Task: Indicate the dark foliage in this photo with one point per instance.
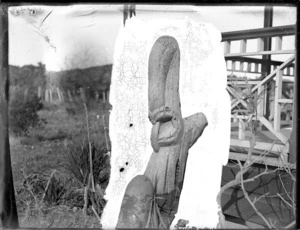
(23, 114)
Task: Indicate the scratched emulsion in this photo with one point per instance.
(202, 88)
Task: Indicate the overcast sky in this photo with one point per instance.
(84, 35)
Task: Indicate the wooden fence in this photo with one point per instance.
(56, 95)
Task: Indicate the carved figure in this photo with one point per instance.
(151, 200)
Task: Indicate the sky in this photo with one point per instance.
(80, 36)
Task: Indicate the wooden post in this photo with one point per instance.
(256, 67)
(96, 95)
(46, 95)
(243, 49)
(58, 94)
(70, 96)
(278, 43)
(50, 96)
(103, 96)
(62, 96)
(233, 65)
(125, 13)
(128, 12)
(39, 91)
(266, 66)
(227, 47)
(293, 138)
(8, 209)
(277, 106)
(261, 103)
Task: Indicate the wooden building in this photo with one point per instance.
(275, 118)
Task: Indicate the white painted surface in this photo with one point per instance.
(202, 89)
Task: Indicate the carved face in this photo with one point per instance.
(167, 128)
(136, 203)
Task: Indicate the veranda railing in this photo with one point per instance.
(244, 62)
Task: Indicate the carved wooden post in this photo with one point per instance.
(171, 138)
(8, 209)
(135, 151)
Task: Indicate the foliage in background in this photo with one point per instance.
(28, 77)
(23, 114)
(91, 80)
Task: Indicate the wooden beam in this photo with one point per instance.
(8, 209)
(241, 82)
(275, 52)
(283, 100)
(275, 149)
(270, 161)
(259, 33)
(255, 60)
(268, 125)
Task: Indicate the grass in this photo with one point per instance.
(42, 152)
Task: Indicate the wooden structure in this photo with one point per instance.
(273, 129)
(279, 69)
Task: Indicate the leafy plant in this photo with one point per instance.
(77, 162)
(23, 114)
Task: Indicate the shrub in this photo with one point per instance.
(76, 161)
(23, 114)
